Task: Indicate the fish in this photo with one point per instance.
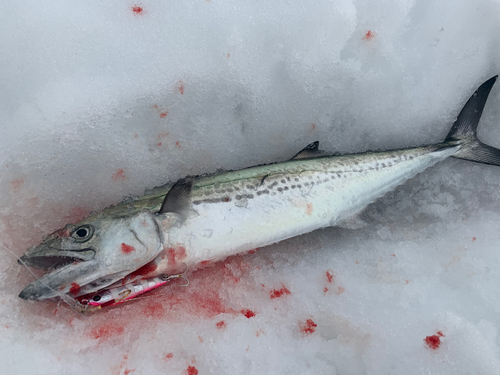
(203, 219)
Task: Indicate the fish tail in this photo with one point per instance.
(463, 131)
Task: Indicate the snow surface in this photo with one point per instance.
(100, 100)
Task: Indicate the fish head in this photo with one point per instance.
(85, 257)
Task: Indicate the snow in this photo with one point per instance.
(102, 100)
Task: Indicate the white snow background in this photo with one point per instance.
(101, 100)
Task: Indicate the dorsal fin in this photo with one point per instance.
(178, 198)
(310, 151)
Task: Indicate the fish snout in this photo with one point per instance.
(33, 293)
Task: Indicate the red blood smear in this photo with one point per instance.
(248, 313)
(175, 255)
(325, 289)
(433, 341)
(127, 248)
(221, 324)
(369, 35)
(178, 144)
(163, 114)
(329, 277)
(313, 126)
(137, 10)
(440, 333)
(145, 270)
(473, 239)
(277, 293)
(159, 144)
(127, 371)
(181, 87)
(15, 185)
(340, 290)
(106, 331)
(154, 310)
(168, 356)
(75, 289)
(191, 370)
(119, 175)
(308, 327)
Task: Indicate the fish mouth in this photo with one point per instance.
(51, 258)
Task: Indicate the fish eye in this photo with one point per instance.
(83, 233)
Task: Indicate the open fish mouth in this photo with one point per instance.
(54, 258)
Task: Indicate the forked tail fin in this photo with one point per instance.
(463, 131)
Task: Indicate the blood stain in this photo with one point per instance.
(191, 370)
(325, 289)
(248, 313)
(393, 255)
(228, 55)
(329, 277)
(119, 175)
(154, 310)
(163, 135)
(181, 87)
(107, 331)
(159, 144)
(308, 327)
(473, 239)
(163, 114)
(168, 356)
(407, 282)
(15, 185)
(137, 10)
(128, 371)
(145, 270)
(175, 254)
(221, 325)
(369, 35)
(253, 251)
(178, 144)
(127, 248)
(136, 135)
(278, 293)
(434, 341)
(75, 289)
(340, 290)
(313, 126)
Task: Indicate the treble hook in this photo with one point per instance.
(180, 275)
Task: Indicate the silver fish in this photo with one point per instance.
(208, 218)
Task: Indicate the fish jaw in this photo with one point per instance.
(120, 246)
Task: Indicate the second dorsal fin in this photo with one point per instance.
(178, 199)
(310, 151)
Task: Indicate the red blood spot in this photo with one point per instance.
(226, 199)
(119, 175)
(340, 290)
(228, 55)
(15, 185)
(137, 10)
(181, 87)
(393, 255)
(248, 313)
(200, 339)
(407, 282)
(440, 333)
(253, 251)
(325, 289)
(136, 135)
(163, 114)
(369, 35)
(221, 324)
(191, 370)
(308, 327)
(356, 261)
(329, 277)
(168, 356)
(206, 263)
(473, 239)
(313, 126)
(178, 144)
(309, 209)
(159, 144)
(278, 293)
(433, 341)
(75, 289)
(127, 371)
(106, 331)
(127, 248)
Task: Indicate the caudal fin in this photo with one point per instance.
(463, 131)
